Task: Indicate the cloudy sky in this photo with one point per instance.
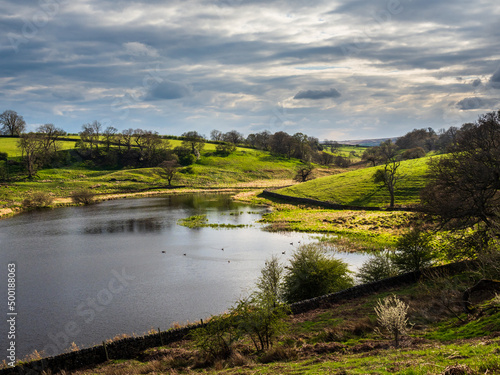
(332, 69)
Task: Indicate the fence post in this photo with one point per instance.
(161, 338)
(105, 350)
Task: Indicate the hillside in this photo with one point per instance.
(357, 187)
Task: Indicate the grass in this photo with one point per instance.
(362, 230)
(9, 145)
(357, 188)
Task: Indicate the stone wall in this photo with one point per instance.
(333, 206)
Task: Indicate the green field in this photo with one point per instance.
(357, 187)
(9, 145)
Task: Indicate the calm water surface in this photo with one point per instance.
(85, 274)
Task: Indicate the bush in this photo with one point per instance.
(312, 273)
(392, 316)
(83, 196)
(216, 339)
(38, 200)
(378, 267)
(261, 320)
(414, 251)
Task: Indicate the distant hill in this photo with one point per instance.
(364, 142)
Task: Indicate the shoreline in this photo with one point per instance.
(58, 202)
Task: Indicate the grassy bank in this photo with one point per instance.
(357, 188)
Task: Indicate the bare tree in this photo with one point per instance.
(233, 137)
(90, 135)
(32, 148)
(109, 136)
(463, 188)
(216, 135)
(167, 170)
(12, 123)
(127, 136)
(389, 177)
(304, 172)
(50, 134)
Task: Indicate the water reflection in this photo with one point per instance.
(142, 225)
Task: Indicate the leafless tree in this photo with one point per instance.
(12, 123)
(167, 170)
(388, 177)
(32, 148)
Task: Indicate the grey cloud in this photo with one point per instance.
(475, 103)
(317, 94)
(495, 79)
(166, 90)
(477, 82)
(68, 95)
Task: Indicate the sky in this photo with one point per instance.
(337, 70)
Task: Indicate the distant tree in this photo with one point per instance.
(90, 136)
(463, 188)
(109, 135)
(168, 169)
(225, 148)
(387, 151)
(389, 177)
(12, 123)
(282, 143)
(446, 138)
(413, 153)
(371, 155)
(51, 134)
(184, 155)
(216, 135)
(324, 158)
(341, 161)
(424, 138)
(194, 141)
(151, 146)
(304, 172)
(127, 137)
(302, 148)
(32, 148)
(335, 146)
(233, 137)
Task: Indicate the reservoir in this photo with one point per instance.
(87, 274)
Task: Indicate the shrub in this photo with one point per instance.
(270, 282)
(83, 196)
(312, 273)
(414, 251)
(378, 267)
(216, 339)
(392, 316)
(261, 319)
(38, 200)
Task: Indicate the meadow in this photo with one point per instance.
(357, 188)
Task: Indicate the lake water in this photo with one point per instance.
(86, 274)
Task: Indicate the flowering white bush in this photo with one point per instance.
(392, 316)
